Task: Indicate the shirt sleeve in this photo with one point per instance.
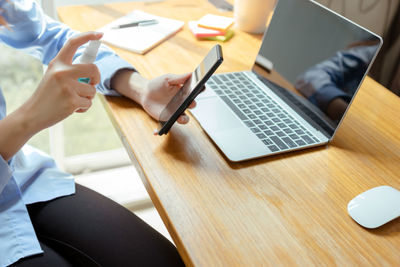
(42, 37)
(5, 173)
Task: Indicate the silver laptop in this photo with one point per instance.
(304, 78)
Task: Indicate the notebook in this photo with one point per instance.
(140, 39)
(309, 67)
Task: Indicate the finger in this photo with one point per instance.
(183, 119)
(175, 79)
(193, 104)
(68, 51)
(85, 71)
(83, 104)
(85, 90)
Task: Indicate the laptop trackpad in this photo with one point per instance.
(214, 115)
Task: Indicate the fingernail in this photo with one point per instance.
(155, 132)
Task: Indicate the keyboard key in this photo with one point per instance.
(247, 102)
(242, 106)
(274, 128)
(269, 123)
(267, 141)
(293, 126)
(268, 132)
(289, 142)
(265, 109)
(300, 142)
(252, 116)
(282, 115)
(280, 133)
(307, 139)
(288, 131)
(247, 111)
(279, 142)
(258, 112)
(294, 136)
(263, 127)
(281, 125)
(216, 79)
(299, 132)
(255, 100)
(260, 104)
(270, 114)
(258, 122)
(273, 148)
(271, 105)
(231, 75)
(237, 101)
(252, 107)
(261, 135)
(249, 123)
(263, 117)
(255, 130)
(276, 120)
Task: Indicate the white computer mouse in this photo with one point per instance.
(375, 207)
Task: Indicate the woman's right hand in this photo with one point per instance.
(59, 94)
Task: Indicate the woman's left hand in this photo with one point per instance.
(159, 92)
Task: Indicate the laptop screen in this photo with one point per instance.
(315, 59)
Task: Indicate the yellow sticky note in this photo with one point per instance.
(222, 38)
(215, 22)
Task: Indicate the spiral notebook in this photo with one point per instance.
(140, 39)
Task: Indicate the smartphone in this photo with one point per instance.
(191, 88)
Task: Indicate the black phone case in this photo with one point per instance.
(166, 126)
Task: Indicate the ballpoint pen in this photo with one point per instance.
(136, 23)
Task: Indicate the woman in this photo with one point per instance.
(44, 219)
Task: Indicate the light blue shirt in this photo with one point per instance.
(31, 175)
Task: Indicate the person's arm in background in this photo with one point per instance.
(325, 84)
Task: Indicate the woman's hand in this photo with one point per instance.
(160, 91)
(153, 95)
(59, 94)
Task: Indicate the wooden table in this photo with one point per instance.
(289, 209)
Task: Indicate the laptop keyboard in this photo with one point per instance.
(274, 126)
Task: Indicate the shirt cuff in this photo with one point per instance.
(5, 173)
(326, 94)
(108, 67)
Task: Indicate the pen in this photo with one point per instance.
(136, 23)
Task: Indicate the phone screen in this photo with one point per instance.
(190, 89)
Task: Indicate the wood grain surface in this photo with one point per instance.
(289, 209)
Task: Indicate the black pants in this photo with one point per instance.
(88, 229)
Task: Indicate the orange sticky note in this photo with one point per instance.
(200, 32)
(215, 22)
